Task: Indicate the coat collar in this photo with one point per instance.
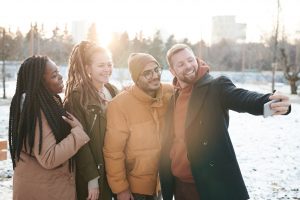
(145, 98)
(206, 79)
(199, 93)
(93, 102)
(197, 99)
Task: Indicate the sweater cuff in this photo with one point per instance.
(80, 134)
(93, 183)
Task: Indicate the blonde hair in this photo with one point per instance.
(175, 49)
(78, 78)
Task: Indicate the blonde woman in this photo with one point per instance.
(87, 93)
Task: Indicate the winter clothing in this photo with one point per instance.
(180, 164)
(210, 152)
(47, 175)
(185, 191)
(89, 159)
(137, 62)
(132, 142)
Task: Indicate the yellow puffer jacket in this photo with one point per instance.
(132, 142)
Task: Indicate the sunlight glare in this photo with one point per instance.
(104, 39)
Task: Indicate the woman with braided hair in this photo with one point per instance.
(87, 94)
(43, 137)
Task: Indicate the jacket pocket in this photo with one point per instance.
(144, 136)
(144, 165)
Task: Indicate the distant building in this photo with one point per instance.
(225, 27)
(79, 30)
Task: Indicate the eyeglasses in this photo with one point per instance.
(148, 74)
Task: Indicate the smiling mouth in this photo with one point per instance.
(154, 81)
(190, 72)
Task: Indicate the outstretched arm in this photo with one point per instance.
(241, 100)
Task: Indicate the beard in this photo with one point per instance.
(155, 83)
(188, 76)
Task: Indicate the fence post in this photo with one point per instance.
(3, 149)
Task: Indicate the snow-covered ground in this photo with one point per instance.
(268, 149)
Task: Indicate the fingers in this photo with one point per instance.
(280, 110)
(280, 113)
(93, 194)
(280, 107)
(125, 195)
(71, 120)
(75, 120)
(278, 96)
(280, 104)
(70, 116)
(67, 120)
(131, 197)
(90, 196)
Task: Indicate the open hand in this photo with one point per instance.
(125, 195)
(71, 120)
(93, 194)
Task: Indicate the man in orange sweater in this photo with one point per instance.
(134, 120)
(197, 158)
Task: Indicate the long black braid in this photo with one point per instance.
(26, 112)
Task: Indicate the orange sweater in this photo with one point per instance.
(180, 163)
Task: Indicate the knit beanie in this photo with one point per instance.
(137, 62)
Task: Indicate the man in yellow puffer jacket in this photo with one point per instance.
(134, 119)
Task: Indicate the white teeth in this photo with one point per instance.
(190, 72)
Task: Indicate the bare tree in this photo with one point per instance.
(4, 48)
(291, 72)
(92, 34)
(274, 64)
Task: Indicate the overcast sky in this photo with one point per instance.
(183, 18)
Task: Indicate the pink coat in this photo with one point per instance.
(46, 175)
